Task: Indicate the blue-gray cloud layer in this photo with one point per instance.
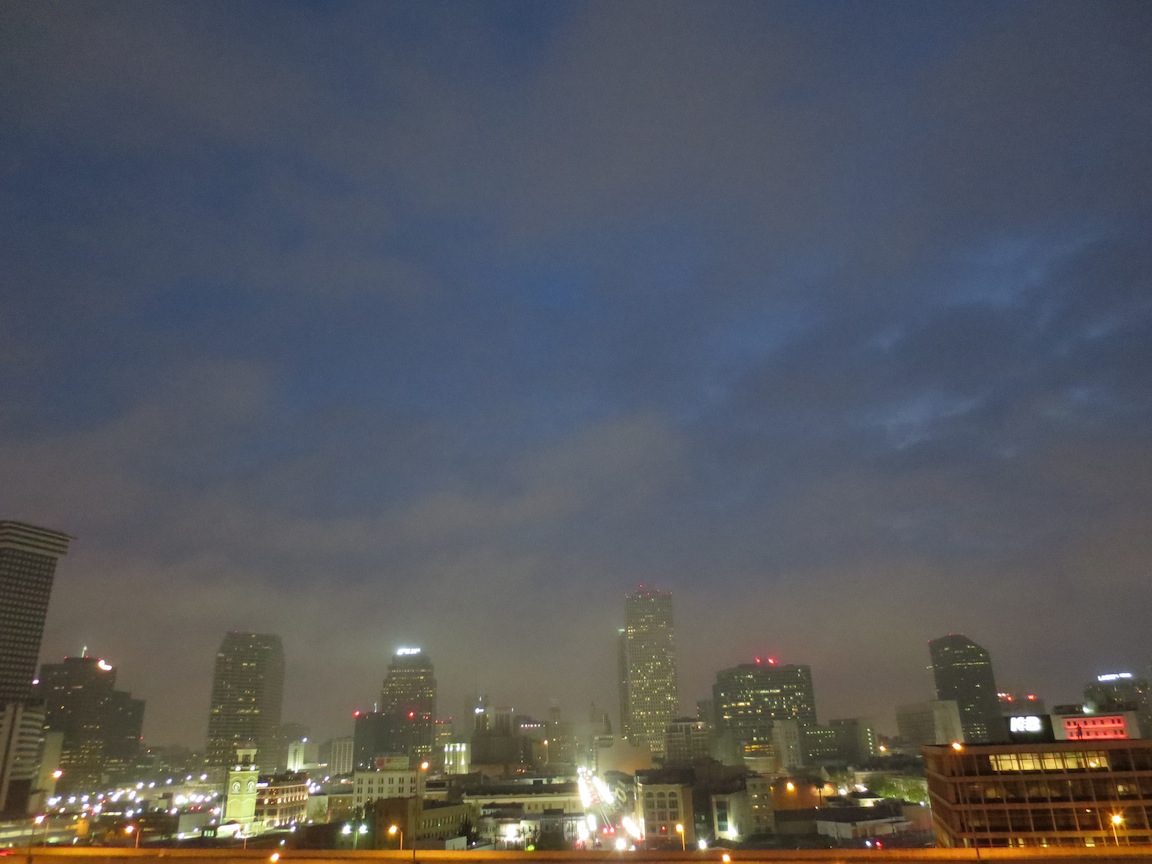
(451, 323)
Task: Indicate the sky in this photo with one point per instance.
(449, 324)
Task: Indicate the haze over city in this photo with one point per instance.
(449, 324)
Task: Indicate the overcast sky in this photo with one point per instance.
(449, 324)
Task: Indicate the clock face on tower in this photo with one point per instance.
(251, 785)
(236, 786)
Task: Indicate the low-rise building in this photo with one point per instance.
(663, 804)
(410, 823)
(282, 799)
(372, 785)
(1062, 793)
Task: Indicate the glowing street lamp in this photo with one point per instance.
(132, 829)
(683, 842)
(1117, 821)
(393, 831)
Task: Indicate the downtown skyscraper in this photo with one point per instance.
(100, 725)
(749, 699)
(963, 673)
(649, 695)
(28, 557)
(247, 699)
(408, 700)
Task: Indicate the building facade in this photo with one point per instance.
(963, 673)
(664, 808)
(649, 692)
(369, 786)
(28, 557)
(1121, 691)
(749, 699)
(408, 705)
(247, 699)
(1063, 793)
(100, 725)
(934, 722)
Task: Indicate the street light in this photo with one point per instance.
(683, 842)
(130, 830)
(393, 830)
(1117, 821)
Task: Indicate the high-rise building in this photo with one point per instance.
(649, 696)
(247, 698)
(100, 725)
(28, 556)
(963, 673)
(408, 701)
(749, 699)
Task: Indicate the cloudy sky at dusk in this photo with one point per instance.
(451, 323)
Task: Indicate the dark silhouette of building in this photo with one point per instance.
(100, 725)
(649, 694)
(247, 698)
(963, 673)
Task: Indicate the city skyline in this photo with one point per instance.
(326, 721)
(448, 324)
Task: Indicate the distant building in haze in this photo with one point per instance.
(649, 694)
(963, 673)
(749, 699)
(100, 726)
(933, 722)
(247, 698)
(28, 556)
(340, 752)
(687, 741)
(855, 739)
(408, 702)
(1121, 691)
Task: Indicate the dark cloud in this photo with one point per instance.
(451, 324)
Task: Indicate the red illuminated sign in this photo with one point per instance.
(1096, 726)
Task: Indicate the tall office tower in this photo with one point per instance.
(408, 702)
(749, 699)
(963, 673)
(649, 696)
(28, 558)
(247, 698)
(100, 725)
